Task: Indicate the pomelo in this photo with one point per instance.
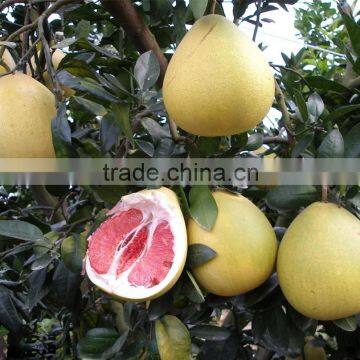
(139, 252)
(26, 110)
(318, 263)
(244, 241)
(218, 81)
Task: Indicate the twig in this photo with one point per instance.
(275, 140)
(174, 132)
(258, 13)
(324, 193)
(213, 7)
(23, 59)
(280, 99)
(52, 75)
(25, 40)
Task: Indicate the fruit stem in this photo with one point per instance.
(324, 193)
(213, 7)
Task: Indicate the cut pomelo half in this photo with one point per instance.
(139, 252)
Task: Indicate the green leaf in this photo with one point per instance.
(302, 145)
(155, 130)
(147, 70)
(352, 142)
(342, 111)
(109, 132)
(65, 286)
(96, 342)
(21, 230)
(61, 133)
(9, 317)
(146, 147)
(173, 338)
(315, 106)
(86, 85)
(116, 347)
(332, 146)
(198, 7)
(203, 208)
(121, 114)
(291, 197)
(320, 82)
(353, 29)
(36, 282)
(73, 250)
(301, 104)
(347, 324)
(210, 332)
(199, 254)
(83, 29)
(91, 106)
(193, 292)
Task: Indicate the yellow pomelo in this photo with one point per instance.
(8, 60)
(218, 82)
(318, 263)
(245, 244)
(27, 108)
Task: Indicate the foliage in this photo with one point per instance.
(48, 308)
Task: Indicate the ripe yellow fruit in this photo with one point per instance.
(218, 82)
(27, 108)
(245, 244)
(318, 263)
(8, 60)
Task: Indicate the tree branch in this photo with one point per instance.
(133, 24)
(213, 7)
(130, 20)
(280, 99)
(275, 140)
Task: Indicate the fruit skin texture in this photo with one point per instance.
(318, 263)
(218, 82)
(8, 60)
(245, 243)
(170, 203)
(27, 108)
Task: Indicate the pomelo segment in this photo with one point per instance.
(139, 252)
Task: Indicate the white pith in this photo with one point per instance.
(159, 206)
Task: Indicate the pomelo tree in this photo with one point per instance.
(106, 73)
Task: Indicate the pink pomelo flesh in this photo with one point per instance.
(142, 247)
